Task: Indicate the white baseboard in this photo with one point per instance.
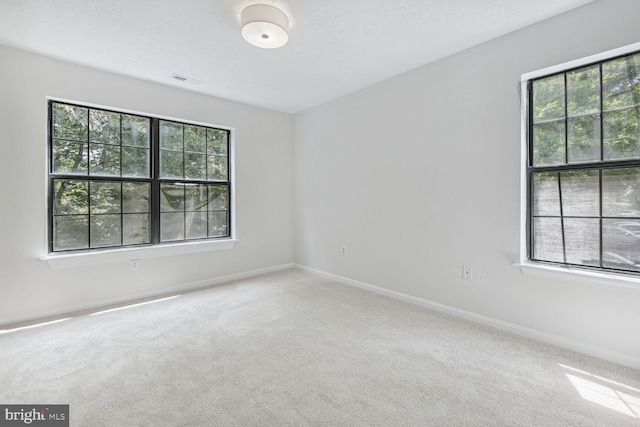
(580, 347)
(192, 286)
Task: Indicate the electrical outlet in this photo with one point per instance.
(343, 250)
(134, 264)
(467, 272)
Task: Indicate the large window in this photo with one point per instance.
(118, 179)
(583, 170)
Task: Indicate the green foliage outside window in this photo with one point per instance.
(102, 179)
(585, 166)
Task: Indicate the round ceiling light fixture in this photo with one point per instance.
(265, 26)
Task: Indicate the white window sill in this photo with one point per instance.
(619, 282)
(76, 259)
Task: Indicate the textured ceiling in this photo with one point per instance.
(335, 46)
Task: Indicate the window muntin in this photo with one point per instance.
(94, 214)
(99, 143)
(193, 152)
(193, 211)
(105, 191)
(584, 166)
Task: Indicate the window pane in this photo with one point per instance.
(171, 198)
(135, 197)
(621, 244)
(105, 197)
(620, 129)
(584, 139)
(196, 198)
(218, 224)
(196, 225)
(580, 193)
(217, 142)
(546, 194)
(171, 135)
(195, 139)
(547, 239)
(621, 82)
(104, 160)
(104, 126)
(195, 166)
(171, 226)
(217, 168)
(70, 232)
(70, 157)
(70, 197)
(613, 260)
(548, 98)
(105, 230)
(582, 240)
(70, 122)
(218, 197)
(171, 164)
(135, 131)
(583, 91)
(548, 143)
(135, 162)
(135, 229)
(621, 192)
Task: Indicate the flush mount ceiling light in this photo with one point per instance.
(265, 26)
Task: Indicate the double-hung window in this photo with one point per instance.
(583, 166)
(118, 179)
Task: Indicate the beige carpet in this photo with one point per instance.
(294, 349)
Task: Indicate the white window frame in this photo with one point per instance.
(61, 260)
(606, 279)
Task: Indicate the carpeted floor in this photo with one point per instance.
(293, 349)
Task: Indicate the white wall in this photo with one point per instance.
(264, 188)
(420, 174)
(417, 175)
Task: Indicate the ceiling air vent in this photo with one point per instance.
(185, 79)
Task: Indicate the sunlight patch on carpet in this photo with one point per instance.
(37, 325)
(605, 392)
(133, 305)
